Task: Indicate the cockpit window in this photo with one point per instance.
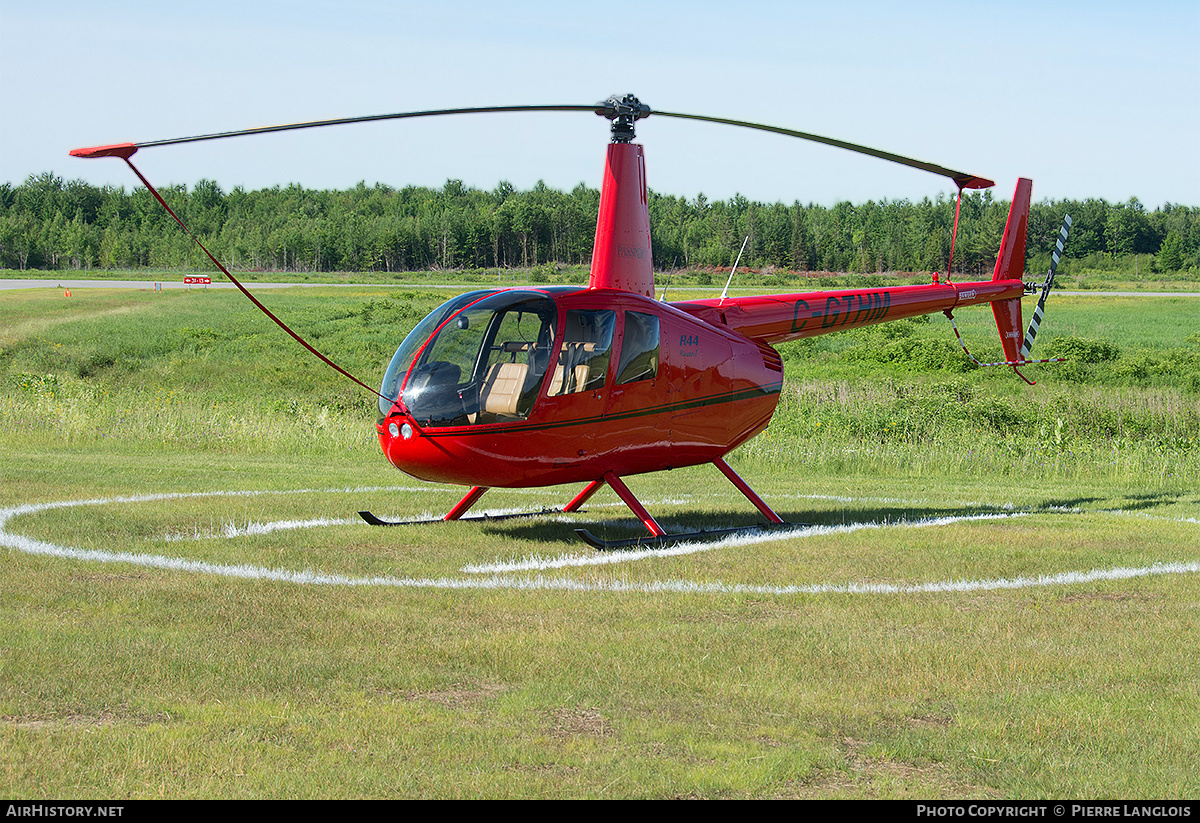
(586, 350)
(639, 348)
(482, 363)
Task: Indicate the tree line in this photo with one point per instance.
(49, 224)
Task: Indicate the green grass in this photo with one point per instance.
(688, 675)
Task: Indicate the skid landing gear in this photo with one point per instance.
(457, 513)
(658, 535)
(372, 520)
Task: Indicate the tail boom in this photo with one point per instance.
(777, 318)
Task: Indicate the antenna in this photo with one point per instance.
(663, 299)
(725, 293)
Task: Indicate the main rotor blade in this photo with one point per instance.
(608, 108)
(367, 119)
(961, 179)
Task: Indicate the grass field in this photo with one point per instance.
(999, 599)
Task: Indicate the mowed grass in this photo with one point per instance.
(227, 645)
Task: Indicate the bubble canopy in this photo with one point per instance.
(477, 358)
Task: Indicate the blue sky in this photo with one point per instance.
(1089, 99)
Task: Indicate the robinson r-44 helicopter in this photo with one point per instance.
(534, 387)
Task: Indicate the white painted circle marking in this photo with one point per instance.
(504, 575)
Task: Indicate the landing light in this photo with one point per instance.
(405, 430)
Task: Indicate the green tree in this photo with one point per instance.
(1128, 231)
(1170, 253)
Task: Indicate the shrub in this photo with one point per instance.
(1083, 349)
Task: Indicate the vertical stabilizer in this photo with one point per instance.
(1010, 265)
(621, 256)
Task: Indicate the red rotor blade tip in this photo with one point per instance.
(975, 183)
(124, 150)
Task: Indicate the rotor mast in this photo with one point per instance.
(621, 256)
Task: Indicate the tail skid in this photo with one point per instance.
(1013, 363)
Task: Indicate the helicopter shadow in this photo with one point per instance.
(558, 528)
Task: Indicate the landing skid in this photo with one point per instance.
(658, 535)
(658, 541)
(372, 520)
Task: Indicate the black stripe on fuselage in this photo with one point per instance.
(649, 411)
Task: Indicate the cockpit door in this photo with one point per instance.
(575, 389)
(635, 404)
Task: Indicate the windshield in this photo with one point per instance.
(416, 338)
(477, 359)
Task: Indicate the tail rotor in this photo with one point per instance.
(1040, 311)
(1010, 268)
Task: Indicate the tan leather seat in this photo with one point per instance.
(501, 392)
(578, 381)
(569, 363)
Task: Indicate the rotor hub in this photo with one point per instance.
(623, 112)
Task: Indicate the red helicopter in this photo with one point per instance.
(532, 387)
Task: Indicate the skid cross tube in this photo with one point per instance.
(467, 502)
(652, 525)
(634, 504)
(745, 489)
(584, 496)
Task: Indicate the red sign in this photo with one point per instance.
(198, 281)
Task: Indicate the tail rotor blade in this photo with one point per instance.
(1040, 311)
